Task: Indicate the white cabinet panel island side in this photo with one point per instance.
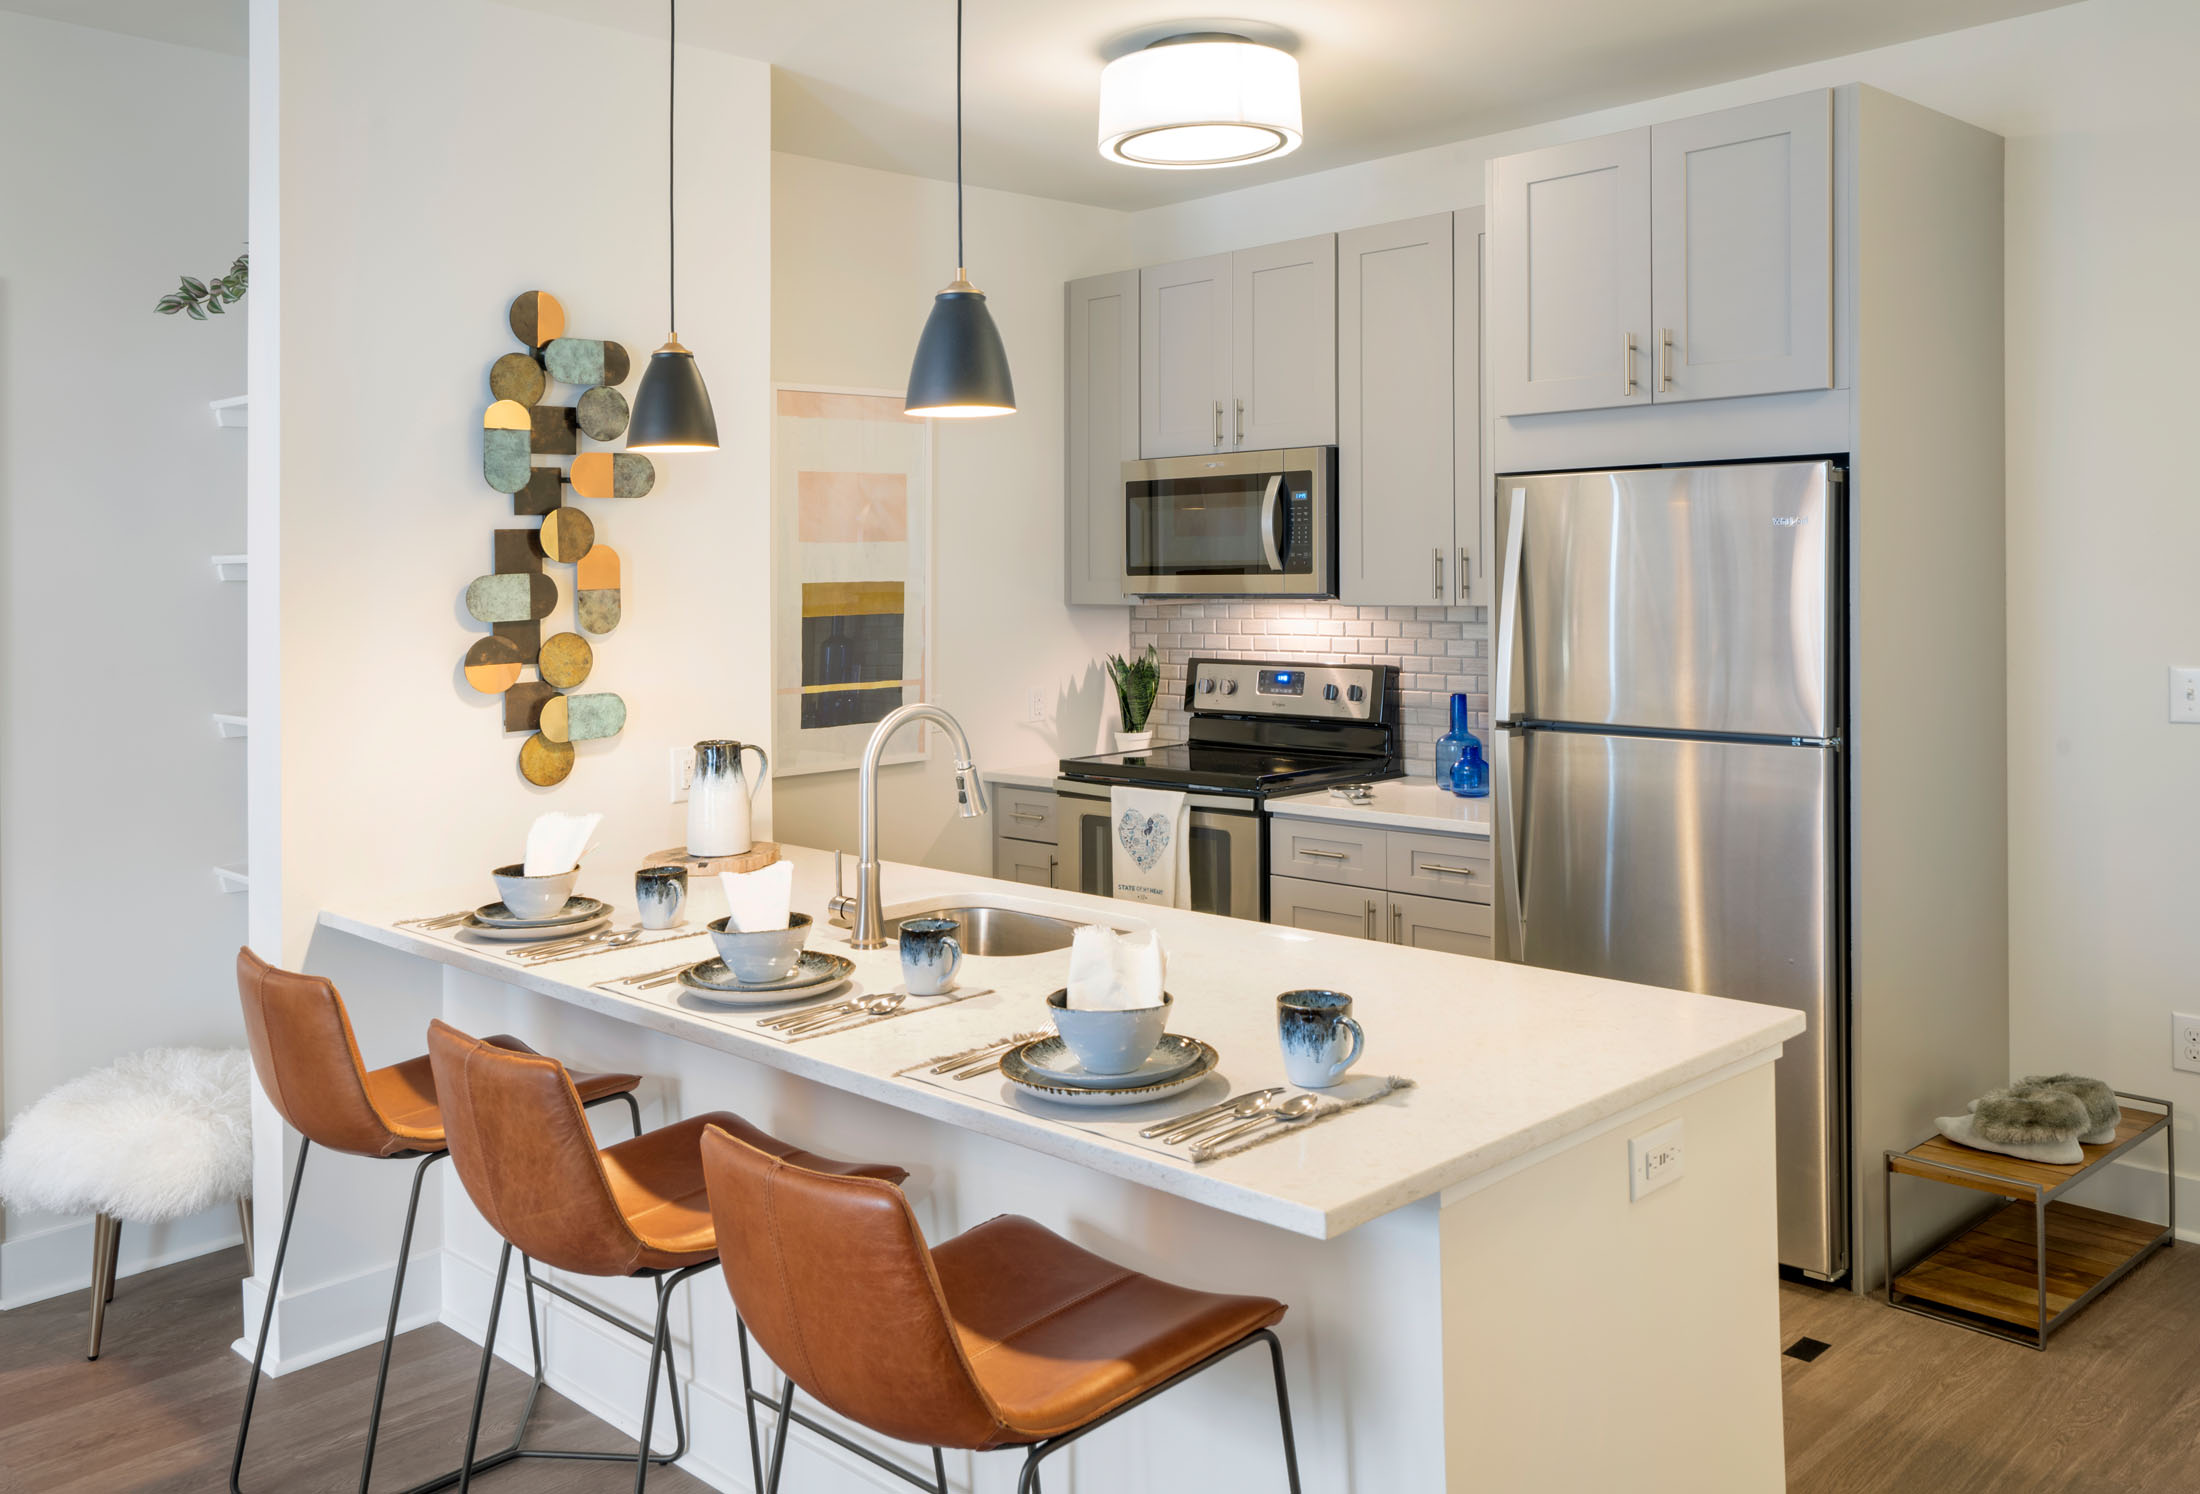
(1475, 1302)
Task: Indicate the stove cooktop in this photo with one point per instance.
(1227, 770)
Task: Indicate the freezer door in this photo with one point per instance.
(1708, 866)
(1693, 599)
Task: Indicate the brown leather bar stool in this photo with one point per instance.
(1007, 1335)
(638, 1208)
(309, 1064)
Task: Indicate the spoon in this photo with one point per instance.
(1252, 1105)
(811, 1014)
(1297, 1108)
(876, 1006)
(595, 945)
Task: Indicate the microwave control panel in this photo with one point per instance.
(1298, 529)
(1333, 692)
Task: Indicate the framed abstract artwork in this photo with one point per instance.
(851, 574)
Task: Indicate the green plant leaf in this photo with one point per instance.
(195, 286)
(196, 314)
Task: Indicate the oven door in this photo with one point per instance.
(1227, 844)
(1243, 523)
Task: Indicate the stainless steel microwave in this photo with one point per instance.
(1239, 523)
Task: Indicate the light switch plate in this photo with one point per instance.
(1035, 705)
(1656, 1158)
(683, 773)
(2184, 695)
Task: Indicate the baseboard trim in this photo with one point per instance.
(55, 1261)
(322, 1321)
(2134, 1189)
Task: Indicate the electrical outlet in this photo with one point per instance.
(2184, 695)
(683, 773)
(2184, 1041)
(1655, 1159)
(1035, 705)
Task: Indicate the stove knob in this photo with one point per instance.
(1206, 687)
(1229, 687)
(1354, 692)
(1329, 692)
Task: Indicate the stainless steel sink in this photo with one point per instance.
(997, 931)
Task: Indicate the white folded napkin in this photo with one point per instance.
(557, 841)
(758, 900)
(1115, 972)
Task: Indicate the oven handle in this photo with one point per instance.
(1268, 522)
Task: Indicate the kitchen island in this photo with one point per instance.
(1430, 1245)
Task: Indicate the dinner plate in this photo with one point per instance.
(576, 910)
(1020, 1074)
(537, 935)
(1053, 1062)
(818, 973)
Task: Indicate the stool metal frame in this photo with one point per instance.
(389, 1331)
(1028, 1480)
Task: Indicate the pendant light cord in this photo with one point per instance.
(959, 267)
(672, 135)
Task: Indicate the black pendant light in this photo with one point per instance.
(961, 368)
(672, 408)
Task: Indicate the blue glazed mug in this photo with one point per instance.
(659, 894)
(1320, 1040)
(930, 955)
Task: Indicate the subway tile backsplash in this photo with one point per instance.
(1438, 650)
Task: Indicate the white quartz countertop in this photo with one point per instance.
(1022, 775)
(1396, 803)
(1507, 1059)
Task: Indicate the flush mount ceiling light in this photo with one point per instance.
(1198, 101)
(960, 369)
(672, 408)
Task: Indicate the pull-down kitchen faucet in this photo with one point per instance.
(864, 913)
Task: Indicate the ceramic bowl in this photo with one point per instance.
(765, 954)
(1110, 1042)
(534, 897)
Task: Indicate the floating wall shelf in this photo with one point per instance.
(230, 412)
(232, 726)
(232, 879)
(230, 567)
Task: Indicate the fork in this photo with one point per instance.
(593, 944)
(435, 920)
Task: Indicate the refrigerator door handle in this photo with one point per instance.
(1508, 816)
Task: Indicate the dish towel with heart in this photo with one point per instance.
(1152, 845)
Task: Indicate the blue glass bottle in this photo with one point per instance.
(1470, 776)
(1452, 743)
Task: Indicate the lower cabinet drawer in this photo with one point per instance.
(1445, 866)
(1437, 923)
(1326, 852)
(1023, 861)
(1294, 903)
(1024, 814)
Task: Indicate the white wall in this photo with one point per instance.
(415, 165)
(124, 168)
(2103, 307)
(857, 256)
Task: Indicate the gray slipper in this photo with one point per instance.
(2039, 1123)
(2102, 1109)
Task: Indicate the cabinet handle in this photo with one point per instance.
(1026, 814)
(1241, 422)
(1466, 585)
(1665, 359)
(1627, 364)
(1438, 866)
(1218, 420)
(1371, 918)
(1397, 924)
(1324, 855)
(1436, 573)
(1052, 862)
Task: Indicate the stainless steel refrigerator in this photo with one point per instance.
(1668, 699)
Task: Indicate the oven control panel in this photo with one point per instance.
(1249, 687)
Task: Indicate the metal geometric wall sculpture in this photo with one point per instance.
(516, 596)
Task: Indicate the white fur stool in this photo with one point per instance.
(150, 1138)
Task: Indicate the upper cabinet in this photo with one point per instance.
(1691, 260)
(1239, 351)
(1101, 431)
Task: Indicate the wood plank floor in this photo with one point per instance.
(158, 1411)
(1897, 1404)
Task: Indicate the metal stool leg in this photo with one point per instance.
(1283, 1410)
(244, 1227)
(748, 1403)
(267, 1313)
(779, 1438)
(389, 1328)
(481, 1380)
(106, 1235)
(660, 1350)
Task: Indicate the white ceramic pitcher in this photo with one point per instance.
(718, 800)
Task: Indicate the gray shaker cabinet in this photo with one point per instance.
(1283, 345)
(1100, 432)
(1570, 276)
(1184, 356)
(1741, 250)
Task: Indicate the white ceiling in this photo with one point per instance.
(871, 82)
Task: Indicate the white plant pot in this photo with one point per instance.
(1133, 741)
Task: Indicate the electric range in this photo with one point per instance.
(1259, 728)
